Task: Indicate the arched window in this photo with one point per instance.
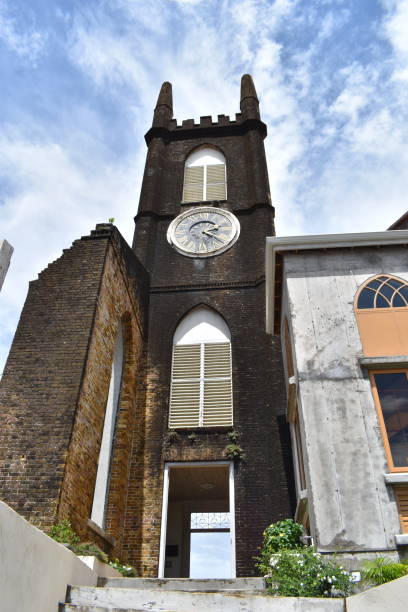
(381, 308)
(201, 385)
(383, 292)
(205, 176)
(105, 453)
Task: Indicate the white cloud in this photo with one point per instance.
(357, 93)
(54, 199)
(335, 107)
(27, 42)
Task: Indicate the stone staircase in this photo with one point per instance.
(185, 595)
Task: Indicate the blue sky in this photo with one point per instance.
(80, 80)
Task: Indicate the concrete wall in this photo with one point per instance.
(35, 570)
(384, 598)
(6, 251)
(351, 507)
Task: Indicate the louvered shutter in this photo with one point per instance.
(217, 401)
(185, 386)
(401, 494)
(193, 184)
(201, 387)
(215, 183)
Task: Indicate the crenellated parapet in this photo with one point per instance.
(168, 128)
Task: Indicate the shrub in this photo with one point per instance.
(126, 570)
(63, 533)
(381, 570)
(283, 535)
(306, 574)
(291, 569)
(89, 548)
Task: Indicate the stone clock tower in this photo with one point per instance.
(205, 211)
(159, 400)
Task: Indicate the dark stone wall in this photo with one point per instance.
(263, 482)
(233, 284)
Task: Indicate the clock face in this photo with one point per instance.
(204, 231)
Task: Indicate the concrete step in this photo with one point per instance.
(74, 608)
(114, 599)
(254, 585)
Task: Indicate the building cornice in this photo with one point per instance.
(277, 246)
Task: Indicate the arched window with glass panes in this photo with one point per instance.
(383, 292)
(201, 381)
(205, 176)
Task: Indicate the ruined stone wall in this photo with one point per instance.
(56, 381)
(121, 301)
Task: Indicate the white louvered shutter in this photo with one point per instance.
(215, 182)
(193, 184)
(217, 400)
(201, 387)
(185, 386)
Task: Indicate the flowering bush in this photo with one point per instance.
(306, 574)
(294, 570)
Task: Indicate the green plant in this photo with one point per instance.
(89, 548)
(381, 570)
(234, 451)
(62, 532)
(283, 535)
(192, 437)
(233, 436)
(126, 570)
(292, 569)
(305, 573)
(111, 219)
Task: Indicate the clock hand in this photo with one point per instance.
(212, 228)
(208, 233)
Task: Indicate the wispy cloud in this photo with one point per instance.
(81, 80)
(25, 40)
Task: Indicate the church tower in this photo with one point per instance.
(144, 400)
(214, 380)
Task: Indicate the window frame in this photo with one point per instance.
(367, 282)
(380, 415)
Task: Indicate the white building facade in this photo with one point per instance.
(338, 303)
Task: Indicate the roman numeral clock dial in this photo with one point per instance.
(203, 232)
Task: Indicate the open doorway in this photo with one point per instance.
(198, 535)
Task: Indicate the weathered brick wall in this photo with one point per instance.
(121, 301)
(42, 379)
(56, 381)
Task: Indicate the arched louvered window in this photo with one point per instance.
(383, 292)
(201, 385)
(205, 176)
